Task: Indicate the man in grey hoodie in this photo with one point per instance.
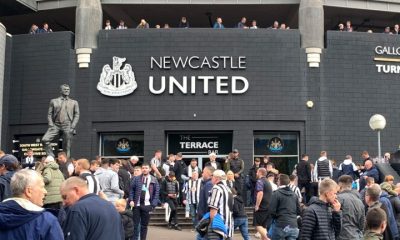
(353, 210)
(109, 181)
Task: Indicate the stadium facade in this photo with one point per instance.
(197, 90)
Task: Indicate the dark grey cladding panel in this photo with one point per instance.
(350, 91)
(40, 63)
(273, 65)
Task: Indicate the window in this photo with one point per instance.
(122, 145)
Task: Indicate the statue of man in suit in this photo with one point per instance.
(63, 115)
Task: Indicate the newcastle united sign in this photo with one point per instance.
(118, 81)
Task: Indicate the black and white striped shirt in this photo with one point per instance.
(220, 199)
(192, 191)
(297, 191)
(92, 182)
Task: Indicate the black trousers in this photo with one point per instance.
(141, 215)
(307, 188)
(173, 204)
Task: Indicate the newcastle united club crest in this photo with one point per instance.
(118, 81)
(275, 145)
(123, 145)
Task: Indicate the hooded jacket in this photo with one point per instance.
(253, 174)
(21, 219)
(353, 218)
(372, 236)
(109, 183)
(320, 222)
(285, 207)
(348, 168)
(127, 222)
(52, 177)
(238, 207)
(384, 199)
(5, 190)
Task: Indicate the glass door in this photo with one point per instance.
(281, 147)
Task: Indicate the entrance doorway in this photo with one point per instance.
(281, 147)
(198, 145)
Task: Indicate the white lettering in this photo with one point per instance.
(198, 145)
(378, 50)
(153, 60)
(193, 85)
(379, 66)
(190, 62)
(234, 85)
(167, 62)
(180, 62)
(182, 87)
(205, 62)
(221, 84)
(242, 62)
(151, 85)
(205, 84)
(215, 62)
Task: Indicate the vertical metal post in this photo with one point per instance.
(379, 145)
(3, 36)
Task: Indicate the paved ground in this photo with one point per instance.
(159, 233)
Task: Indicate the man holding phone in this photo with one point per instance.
(322, 219)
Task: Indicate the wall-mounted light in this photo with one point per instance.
(310, 104)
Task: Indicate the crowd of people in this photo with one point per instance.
(36, 30)
(113, 198)
(184, 23)
(348, 27)
(218, 24)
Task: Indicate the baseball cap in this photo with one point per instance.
(9, 160)
(235, 150)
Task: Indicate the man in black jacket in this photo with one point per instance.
(322, 219)
(253, 178)
(170, 191)
(180, 169)
(29, 161)
(284, 209)
(240, 218)
(84, 220)
(303, 170)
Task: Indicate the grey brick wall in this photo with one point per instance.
(346, 89)
(350, 92)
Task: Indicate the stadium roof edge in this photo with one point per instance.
(375, 5)
(32, 4)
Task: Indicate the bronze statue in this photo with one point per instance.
(63, 116)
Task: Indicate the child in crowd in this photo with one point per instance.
(126, 217)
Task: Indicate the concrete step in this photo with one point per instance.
(158, 218)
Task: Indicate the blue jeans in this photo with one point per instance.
(193, 214)
(243, 225)
(286, 233)
(198, 237)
